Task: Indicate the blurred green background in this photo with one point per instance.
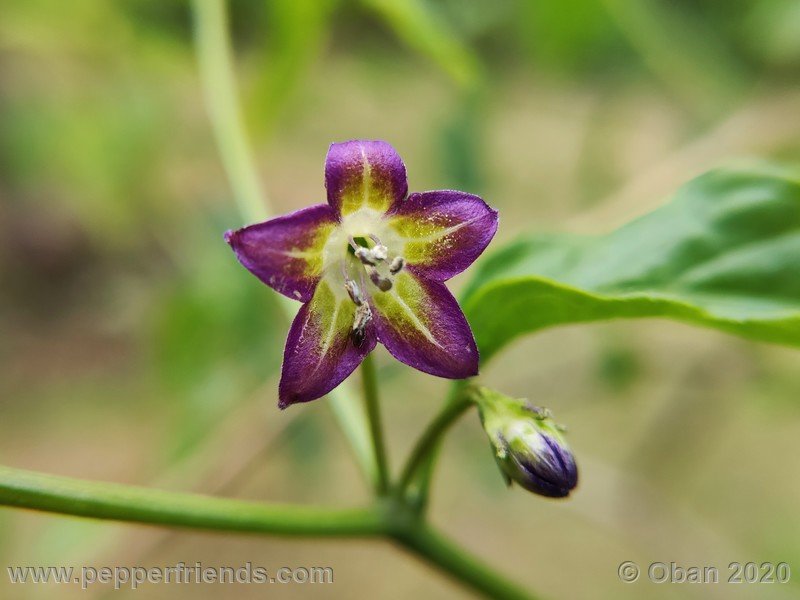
(133, 347)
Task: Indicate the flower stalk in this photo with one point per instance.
(369, 383)
(422, 461)
(430, 439)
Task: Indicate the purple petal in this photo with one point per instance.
(551, 473)
(421, 324)
(443, 231)
(286, 252)
(364, 174)
(321, 350)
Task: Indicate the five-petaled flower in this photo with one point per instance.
(369, 266)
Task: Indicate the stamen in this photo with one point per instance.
(380, 252)
(397, 265)
(353, 291)
(365, 256)
(384, 284)
(539, 413)
(369, 256)
(343, 266)
(362, 319)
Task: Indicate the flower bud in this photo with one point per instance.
(529, 446)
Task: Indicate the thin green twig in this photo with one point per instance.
(372, 406)
(216, 74)
(423, 472)
(430, 439)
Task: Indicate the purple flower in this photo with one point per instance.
(369, 267)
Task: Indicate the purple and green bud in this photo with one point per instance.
(529, 446)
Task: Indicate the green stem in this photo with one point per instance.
(113, 501)
(463, 567)
(420, 480)
(369, 382)
(51, 493)
(216, 74)
(420, 462)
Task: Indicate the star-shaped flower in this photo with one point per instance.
(369, 267)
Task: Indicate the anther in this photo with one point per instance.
(384, 284)
(397, 265)
(353, 291)
(369, 256)
(365, 256)
(539, 413)
(362, 318)
(380, 252)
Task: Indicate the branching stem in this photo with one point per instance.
(113, 501)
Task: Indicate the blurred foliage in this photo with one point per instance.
(460, 147)
(295, 34)
(618, 367)
(770, 33)
(210, 343)
(585, 42)
(417, 25)
(130, 334)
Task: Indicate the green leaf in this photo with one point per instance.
(724, 253)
